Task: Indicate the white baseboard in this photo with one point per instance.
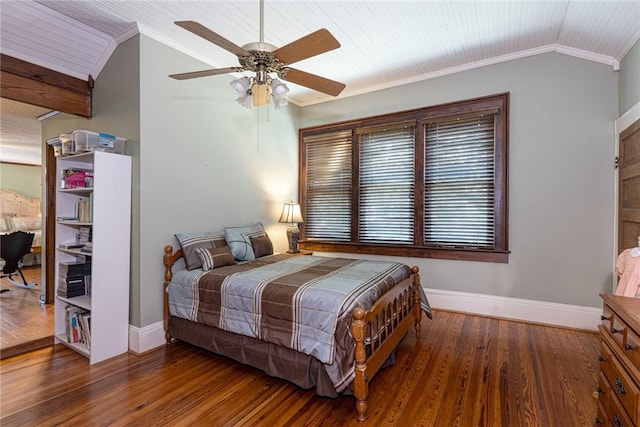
(146, 338)
(571, 316)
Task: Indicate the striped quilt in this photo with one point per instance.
(302, 302)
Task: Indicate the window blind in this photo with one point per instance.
(328, 186)
(459, 182)
(387, 174)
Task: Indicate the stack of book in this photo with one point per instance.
(77, 178)
(71, 279)
(78, 325)
(84, 235)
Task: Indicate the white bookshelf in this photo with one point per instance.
(110, 226)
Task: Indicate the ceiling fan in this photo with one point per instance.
(265, 59)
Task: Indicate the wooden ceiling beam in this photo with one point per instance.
(29, 83)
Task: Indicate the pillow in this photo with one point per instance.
(262, 245)
(215, 257)
(239, 240)
(190, 242)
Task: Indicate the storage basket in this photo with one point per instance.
(85, 140)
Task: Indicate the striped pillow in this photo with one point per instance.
(215, 257)
(190, 242)
(239, 240)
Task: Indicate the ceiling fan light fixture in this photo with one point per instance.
(279, 88)
(280, 102)
(279, 92)
(245, 101)
(241, 85)
(267, 60)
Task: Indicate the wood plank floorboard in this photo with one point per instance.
(463, 371)
(25, 324)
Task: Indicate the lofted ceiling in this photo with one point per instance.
(383, 43)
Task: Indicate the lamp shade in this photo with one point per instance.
(291, 213)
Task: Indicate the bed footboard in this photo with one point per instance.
(381, 329)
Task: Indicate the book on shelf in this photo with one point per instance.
(83, 209)
(70, 246)
(87, 285)
(78, 325)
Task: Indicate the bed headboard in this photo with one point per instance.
(15, 204)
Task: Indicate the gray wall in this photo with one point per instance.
(561, 175)
(629, 88)
(23, 179)
(205, 162)
(116, 100)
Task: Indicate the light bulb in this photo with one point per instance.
(240, 85)
(245, 100)
(279, 88)
(280, 101)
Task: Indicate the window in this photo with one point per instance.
(426, 183)
(386, 190)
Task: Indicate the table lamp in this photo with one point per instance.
(291, 215)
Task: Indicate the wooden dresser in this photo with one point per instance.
(619, 381)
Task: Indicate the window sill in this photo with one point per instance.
(414, 251)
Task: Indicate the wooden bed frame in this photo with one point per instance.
(377, 331)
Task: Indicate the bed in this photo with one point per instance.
(324, 323)
(21, 213)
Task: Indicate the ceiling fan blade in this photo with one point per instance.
(215, 38)
(205, 73)
(312, 81)
(310, 45)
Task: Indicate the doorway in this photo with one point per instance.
(25, 323)
(34, 85)
(629, 188)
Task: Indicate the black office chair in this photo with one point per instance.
(13, 247)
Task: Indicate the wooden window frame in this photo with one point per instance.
(498, 103)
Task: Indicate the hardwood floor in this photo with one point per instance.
(463, 371)
(25, 324)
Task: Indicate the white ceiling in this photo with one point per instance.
(20, 132)
(383, 43)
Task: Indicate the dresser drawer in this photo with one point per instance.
(607, 317)
(604, 391)
(619, 330)
(624, 388)
(617, 415)
(632, 348)
(606, 360)
(601, 418)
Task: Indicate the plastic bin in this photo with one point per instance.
(85, 140)
(67, 146)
